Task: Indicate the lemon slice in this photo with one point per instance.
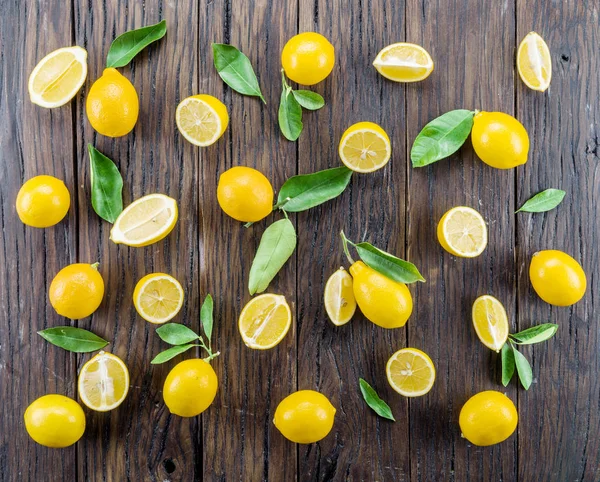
(201, 119)
(410, 372)
(158, 297)
(145, 221)
(265, 321)
(340, 303)
(57, 78)
(534, 62)
(490, 322)
(462, 232)
(404, 62)
(103, 382)
(365, 147)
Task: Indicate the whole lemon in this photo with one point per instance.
(557, 278)
(383, 301)
(488, 418)
(308, 58)
(112, 105)
(499, 140)
(43, 201)
(245, 194)
(77, 290)
(304, 417)
(55, 421)
(190, 387)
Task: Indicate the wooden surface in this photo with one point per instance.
(473, 45)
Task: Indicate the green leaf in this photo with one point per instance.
(107, 186)
(508, 364)
(73, 339)
(377, 404)
(290, 113)
(276, 246)
(236, 70)
(166, 355)
(442, 137)
(306, 191)
(543, 201)
(308, 99)
(206, 316)
(535, 334)
(176, 334)
(126, 46)
(523, 368)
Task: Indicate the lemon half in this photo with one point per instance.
(410, 372)
(158, 297)
(534, 62)
(490, 322)
(365, 147)
(404, 62)
(103, 382)
(265, 321)
(462, 232)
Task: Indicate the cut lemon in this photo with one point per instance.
(145, 221)
(57, 78)
(410, 372)
(103, 382)
(365, 147)
(462, 232)
(340, 303)
(404, 62)
(534, 62)
(158, 297)
(490, 322)
(201, 119)
(265, 321)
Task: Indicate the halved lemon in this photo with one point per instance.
(57, 78)
(340, 303)
(145, 221)
(365, 147)
(404, 62)
(265, 321)
(490, 322)
(410, 372)
(201, 119)
(158, 297)
(534, 62)
(462, 232)
(103, 382)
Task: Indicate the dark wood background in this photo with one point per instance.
(473, 45)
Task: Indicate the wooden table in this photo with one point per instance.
(473, 45)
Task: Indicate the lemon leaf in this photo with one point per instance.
(508, 364)
(236, 70)
(73, 339)
(167, 355)
(535, 334)
(387, 264)
(176, 334)
(206, 316)
(290, 113)
(107, 186)
(377, 404)
(523, 368)
(126, 46)
(543, 201)
(308, 99)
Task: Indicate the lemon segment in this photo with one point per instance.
(57, 78)
(145, 221)
(365, 147)
(103, 382)
(201, 119)
(462, 232)
(534, 62)
(265, 321)
(340, 302)
(158, 297)
(410, 372)
(404, 62)
(490, 322)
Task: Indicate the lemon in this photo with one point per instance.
(190, 388)
(158, 297)
(77, 290)
(55, 421)
(245, 194)
(534, 62)
(43, 201)
(404, 62)
(264, 321)
(201, 119)
(410, 372)
(490, 322)
(57, 78)
(340, 302)
(557, 278)
(112, 104)
(365, 147)
(305, 416)
(462, 232)
(145, 221)
(499, 140)
(488, 418)
(308, 58)
(103, 382)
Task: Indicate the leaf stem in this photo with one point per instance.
(282, 203)
(248, 224)
(345, 242)
(211, 355)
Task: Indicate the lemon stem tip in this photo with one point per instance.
(95, 266)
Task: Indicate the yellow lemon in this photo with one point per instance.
(308, 58)
(190, 388)
(103, 382)
(462, 232)
(158, 297)
(383, 301)
(499, 140)
(404, 62)
(340, 302)
(55, 421)
(77, 290)
(112, 104)
(488, 418)
(245, 194)
(365, 147)
(43, 201)
(202, 119)
(410, 372)
(557, 278)
(490, 322)
(305, 416)
(264, 321)
(534, 62)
